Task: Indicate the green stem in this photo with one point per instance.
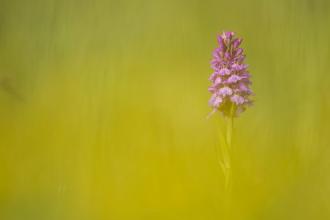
(228, 162)
(227, 154)
(225, 159)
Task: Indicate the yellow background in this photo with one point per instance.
(103, 109)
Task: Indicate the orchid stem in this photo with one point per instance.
(227, 154)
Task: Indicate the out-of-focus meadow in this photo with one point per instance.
(103, 109)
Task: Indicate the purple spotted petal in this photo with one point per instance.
(238, 100)
(236, 43)
(225, 91)
(228, 35)
(217, 81)
(233, 79)
(215, 101)
(224, 71)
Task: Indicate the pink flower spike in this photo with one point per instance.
(231, 93)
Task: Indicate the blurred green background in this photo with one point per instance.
(103, 109)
